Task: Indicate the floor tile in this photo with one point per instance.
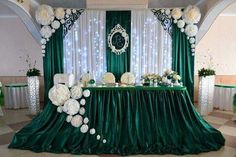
(215, 120)
(221, 115)
(231, 123)
(15, 116)
(228, 130)
(5, 129)
(230, 141)
(6, 138)
(216, 126)
(18, 126)
(224, 112)
(5, 152)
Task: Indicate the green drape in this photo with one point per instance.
(118, 64)
(53, 60)
(1, 97)
(182, 59)
(133, 120)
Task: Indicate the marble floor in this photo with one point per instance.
(14, 120)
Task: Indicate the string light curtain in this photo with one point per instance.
(84, 45)
(151, 46)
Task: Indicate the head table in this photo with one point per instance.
(133, 120)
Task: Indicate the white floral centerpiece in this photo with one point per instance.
(128, 78)
(170, 78)
(109, 78)
(148, 79)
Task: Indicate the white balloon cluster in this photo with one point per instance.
(51, 20)
(186, 21)
(66, 101)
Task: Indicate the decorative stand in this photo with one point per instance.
(33, 92)
(206, 94)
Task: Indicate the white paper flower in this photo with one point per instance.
(86, 120)
(128, 78)
(76, 92)
(43, 41)
(82, 111)
(59, 94)
(191, 30)
(71, 107)
(62, 21)
(104, 141)
(73, 11)
(108, 78)
(68, 11)
(55, 24)
(82, 102)
(167, 11)
(59, 13)
(59, 109)
(46, 31)
(98, 137)
(180, 23)
(191, 15)
(77, 121)
(177, 77)
(69, 118)
(86, 93)
(44, 14)
(193, 46)
(192, 40)
(84, 128)
(92, 131)
(176, 13)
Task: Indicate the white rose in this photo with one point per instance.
(44, 14)
(86, 120)
(82, 101)
(76, 92)
(176, 13)
(77, 121)
(191, 30)
(55, 24)
(69, 118)
(71, 107)
(59, 94)
(82, 111)
(86, 93)
(84, 128)
(59, 13)
(191, 15)
(92, 131)
(180, 23)
(46, 31)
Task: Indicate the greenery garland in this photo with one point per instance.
(206, 72)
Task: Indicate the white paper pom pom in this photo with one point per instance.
(59, 13)
(68, 11)
(192, 40)
(46, 31)
(193, 46)
(43, 41)
(86, 93)
(59, 94)
(191, 30)
(180, 23)
(82, 111)
(193, 50)
(92, 131)
(76, 92)
(86, 120)
(47, 39)
(69, 118)
(98, 137)
(77, 121)
(67, 16)
(55, 24)
(44, 14)
(73, 11)
(175, 21)
(162, 10)
(59, 109)
(84, 128)
(43, 51)
(167, 11)
(71, 107)
(62, 21)
(193, 54)
(43, 46)
(104, 141)
(192, 15)
(82, 101)
(176, 13)
(182, 29)
(53, 30)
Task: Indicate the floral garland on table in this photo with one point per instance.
(185, 19)
(72, 102)
(51, 19)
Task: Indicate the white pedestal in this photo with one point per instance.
(33, 92)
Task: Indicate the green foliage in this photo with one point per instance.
(33, 72)
(92, 81)
(206, 72)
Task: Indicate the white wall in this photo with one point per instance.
(220, 43)
(16, 41)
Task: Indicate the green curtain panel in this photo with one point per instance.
(118, 64)
(53, 60)
(132, 120)
(1, 97)
(182, 59)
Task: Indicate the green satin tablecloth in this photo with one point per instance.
(133, 120)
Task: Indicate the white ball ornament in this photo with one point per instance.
(182, 29)
(71, 107)
(104, 141)
(180, 23)
(191, 30)
(86, 120)
(47, 39)
(59, 13)
(188, 37)
(76, 92)
(92, 131)
(175, 21)
(59, 94)
(67, 16)
(193, 54)
(73, 11)
(84, 128)
(162, 10)
(68, 11)
(82, 111)
(46, 32)
(77, 121)
(43, 46)
(86, 93)
(43, 41)
(43, 51)
(82, 101)
(98, 137)
(62, 21)
(69, 118)
(191, 14)
(167, 11)
(59, 109)
(44, 14)
(53, 30)
(55, 24)
(193, 50)
(193, 46)
(176, 13)
(192, 40)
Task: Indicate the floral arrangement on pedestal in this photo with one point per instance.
(72, 102)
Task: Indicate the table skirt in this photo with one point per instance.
(132, 121)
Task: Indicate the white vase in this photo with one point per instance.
(33, 93)
(206, 94)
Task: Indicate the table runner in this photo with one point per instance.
(138, 120)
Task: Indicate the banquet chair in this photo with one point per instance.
(108, 78)
(66, 79)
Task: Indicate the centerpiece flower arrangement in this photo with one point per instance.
(149, 79)
(170, 78)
